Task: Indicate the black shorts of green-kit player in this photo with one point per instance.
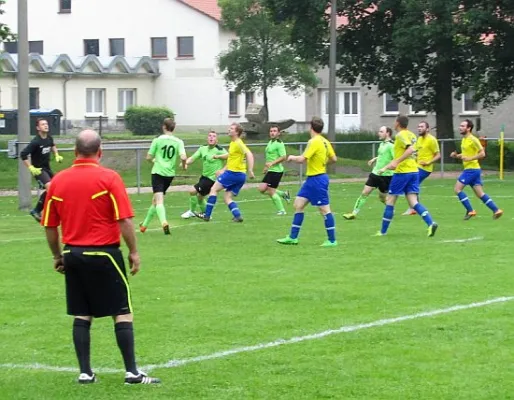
(204, 185)
(379, 182)
(272, 179)
(160, 184)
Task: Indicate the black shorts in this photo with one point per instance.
(96, 281)
(161, 183)
(44, 178)
(379, 182)
(204, 185)
(272, 179)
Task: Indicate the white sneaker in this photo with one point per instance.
(281, 213)
(188, 214)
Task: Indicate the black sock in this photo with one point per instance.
(125, 338)
(40, 203)
(82, 342)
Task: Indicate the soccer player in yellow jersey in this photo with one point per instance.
(427, 152)
(406, 177)
(234, 175)
(317, 155)
(472, 151)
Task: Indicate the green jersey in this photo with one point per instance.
(166, 150)
(210, 166)
(275, 149)
(385, 156)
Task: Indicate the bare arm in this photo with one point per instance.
(220, 156)
(250, 161)
(52, 237)
(479, 156)
(149, 157)
(332, 160)
(129, 236)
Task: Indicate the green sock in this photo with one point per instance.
(203, 205)
(281, 193)
(359, 203)
(278, 202)
(193, 203)
(149, 216)
(161, 213)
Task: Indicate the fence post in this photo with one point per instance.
(100, 125)
(301, 165)
(373, 150)
(442, 158)
(138, 171)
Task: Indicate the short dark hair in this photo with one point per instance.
(40, 120)
(274, 126)
(88, 147)
(470, 124)
(389, 131)
(403, 121)
(169, 124)
(239, 128)
(426, 124)
(317, 124)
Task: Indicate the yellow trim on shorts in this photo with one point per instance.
(111, 258)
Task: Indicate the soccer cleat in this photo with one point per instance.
(328, 243)
(379, 233)
(237, 219)
(287, 240)
(166, 229)
(287, 196)
(470, 215)
(188, 214)
(142, 378)
(497, 214)
(349, 216)
(409, 212)
(281, 213)
(203, 216)
(142, 228)
(432, 229)
(85, 379)
(37, 216)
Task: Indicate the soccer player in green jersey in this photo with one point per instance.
(211, 169)
(376, 181)
(274, 169)
(164, 153)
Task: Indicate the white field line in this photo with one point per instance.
(275, 343)
(471, 239)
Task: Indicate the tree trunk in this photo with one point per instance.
(444, 108)
(266, 109)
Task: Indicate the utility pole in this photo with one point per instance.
(332, 73)
(24, 195)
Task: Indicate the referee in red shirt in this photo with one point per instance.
(92, 215)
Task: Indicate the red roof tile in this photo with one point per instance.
(207, 7)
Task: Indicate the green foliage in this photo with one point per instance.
(262, 56)
(5, 32)
(143, 120)
(492, 159)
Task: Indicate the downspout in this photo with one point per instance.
(65, 101)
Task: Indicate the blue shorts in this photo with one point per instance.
(315, 189)
(423, 175)
(404, 184)
(232, 181)
(471, 177)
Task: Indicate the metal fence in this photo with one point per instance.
(128, 158)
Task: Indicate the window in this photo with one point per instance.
(34, 98)
(416, 107)
(249, 98)
(391, 106)
(65, 6)
(36, 47)
(468, 104)
(233, 106)
(185, 47)
(91, 46)
(117, 47)
(126, 98)
(327, 103)
(11, 47)
(159, 47)
(95, 101)
(351, 103)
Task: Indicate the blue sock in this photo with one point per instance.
(386, 220)
(297, 224)
(330, 226)
(421, 210)
(211, 202)
(465, 201)
(489, 202)
(233, 208)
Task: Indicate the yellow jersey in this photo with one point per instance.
(426, 147)
(236, 161)
(403, 140)
(319, 150)
(471, 146)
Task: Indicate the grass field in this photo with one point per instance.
(213, 287)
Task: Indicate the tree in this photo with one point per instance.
(442, 48)
(5, 31)
(261, 57)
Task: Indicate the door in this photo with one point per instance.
(347, 110)
(34, 98)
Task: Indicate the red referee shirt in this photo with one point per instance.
(87, 200)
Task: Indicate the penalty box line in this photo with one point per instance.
(275, 343)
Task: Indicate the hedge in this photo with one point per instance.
(492, 159)
(144, 120)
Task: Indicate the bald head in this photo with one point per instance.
(88, 143)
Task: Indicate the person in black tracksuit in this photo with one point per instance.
(39, 150)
